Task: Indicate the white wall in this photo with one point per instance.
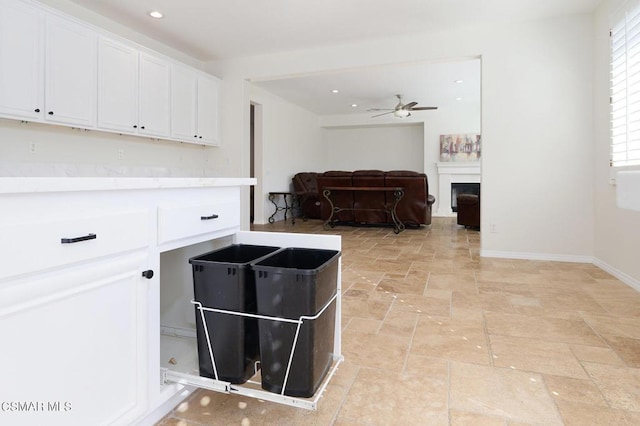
(537, 106)
(537, 158)
(32, 149)
(391, 147)
(617, 231)
(291, 141)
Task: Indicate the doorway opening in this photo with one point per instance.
(256, 202)
(252, 171)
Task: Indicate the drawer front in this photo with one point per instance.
(73, 238)
(178, 222)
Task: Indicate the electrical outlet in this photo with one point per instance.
(33, 147)
(492, 228)
(120, 154)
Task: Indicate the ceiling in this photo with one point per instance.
(225, 29)
(441, 84)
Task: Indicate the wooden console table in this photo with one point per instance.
(398, 193)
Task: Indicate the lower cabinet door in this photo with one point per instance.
(74, 346)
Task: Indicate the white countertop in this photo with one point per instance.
(14, 185)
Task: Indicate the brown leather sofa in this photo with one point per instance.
(367, 207)
(468, 210)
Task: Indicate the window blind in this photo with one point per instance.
(625, 89)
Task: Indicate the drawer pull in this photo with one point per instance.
(148, 274)
(213, 216)
(78, 239)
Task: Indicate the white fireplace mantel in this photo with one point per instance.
(448, 173)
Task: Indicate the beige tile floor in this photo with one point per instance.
(435, 335)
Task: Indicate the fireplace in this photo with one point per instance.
(462, 188)
(448, 174)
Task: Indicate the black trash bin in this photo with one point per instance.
(291, 283)
(223, 279)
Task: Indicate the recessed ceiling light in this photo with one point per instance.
(156, 14)
(335, 91)
(354, 105)
(459, 81)
(458, 99)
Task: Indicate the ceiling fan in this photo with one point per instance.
(401, 110)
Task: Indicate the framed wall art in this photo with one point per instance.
(460, 147)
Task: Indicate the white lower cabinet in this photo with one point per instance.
(102, 330)
(73, 305)
(73, 345)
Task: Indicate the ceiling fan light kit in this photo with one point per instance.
(401, 110)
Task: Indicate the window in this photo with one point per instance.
(625, 88)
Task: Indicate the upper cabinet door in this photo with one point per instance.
(155, 110)
(21, 60)
(117, 86)
(208, 113)
(70, 72)
(184, 88)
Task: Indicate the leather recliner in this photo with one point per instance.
(305, 187)
(468, 210)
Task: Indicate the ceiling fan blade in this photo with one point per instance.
(423, 108)
(410, 105)
(381, 109)
(384, 113)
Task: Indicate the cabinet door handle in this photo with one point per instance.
(78, 239)
(213, 216)
(50, 113)
(142, 127)
(195, 136)
(200, 137)
(37, 110)
(135, 126)
(148, 274)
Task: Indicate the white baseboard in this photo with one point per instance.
(536, 256)
(625, 278)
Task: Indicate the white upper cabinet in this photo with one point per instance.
(208, 112)
(117, 86)
(194, 106)
(155, 109)
(21, 60)
(184, 90)
(58, 70)
(70, 73)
